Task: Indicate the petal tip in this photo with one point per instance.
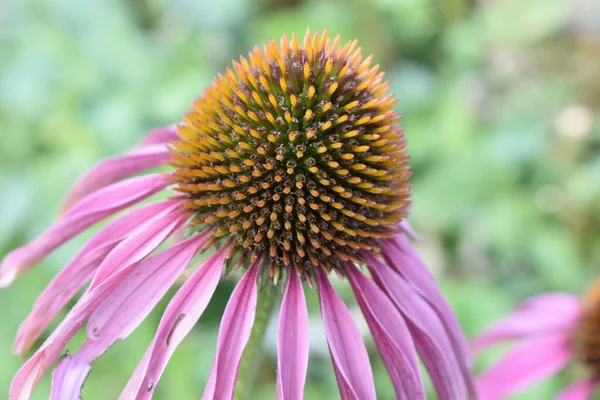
(8, 274)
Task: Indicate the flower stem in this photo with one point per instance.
(268, 298)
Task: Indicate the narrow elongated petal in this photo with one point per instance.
(163, 135)
(68, 378)
(391, 335)
(181, 315)
(535, 317)
(115, 169)
(127, 306)
(234, 334)
(408, 229)
(400, 255)
(292, 342)
(142, 241)
(527, 364)
(581, 390)
(427, 330)
(89, 211)
(348, 351)
(34, 369)
(81, 268)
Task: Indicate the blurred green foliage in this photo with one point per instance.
(500, 101)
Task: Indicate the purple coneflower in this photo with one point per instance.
(552, 331)
(292, 165)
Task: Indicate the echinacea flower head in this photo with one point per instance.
(292, 166)
(296, 155)
(553, 331)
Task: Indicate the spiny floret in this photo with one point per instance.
(586, 335)
(297, 155)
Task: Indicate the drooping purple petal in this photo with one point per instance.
(126, 307)
(69, 380)
(428, 333)
(115, 169)
(181, 315)
(408, 229)
(81, 268)
(162, 135)
(234, 334)
(525, 365)
(544, 314)
(292, 342)
(136, 296)
(34, 369)
(391, 335)
(581, 390)
(348, 352)
(89, 211)
(142, 241)
(400, 255)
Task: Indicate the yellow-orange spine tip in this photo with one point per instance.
(294, 155)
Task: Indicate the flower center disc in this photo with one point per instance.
(586, 337)
(296, 154)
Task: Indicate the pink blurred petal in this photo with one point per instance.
(429, 334)
(162, 135)
(180, 317)
(234, 334)
(89, 211)
(115, 169)
(72, 278)
(581, 390)
(401, 256)
(543, 314)
(126, 307)
(348, 351)
(391, 335)
(524, 366)
(408, 229)
(292, 342)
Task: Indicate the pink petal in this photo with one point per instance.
(34, 369)
(234, 334)
(69, 377)
(126, 307)
(527, 364)
(115, 169)
(348, 351)
(141, 241)
(89, 211)
(292, 342)
(540, 315)
(408, 229)
(72, 278)
(581, 390)
(137, 295)
(391, 335)
(429, 334)
(401, 256)
(181, 315)
(162, 135)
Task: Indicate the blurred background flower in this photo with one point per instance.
(500, 101)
